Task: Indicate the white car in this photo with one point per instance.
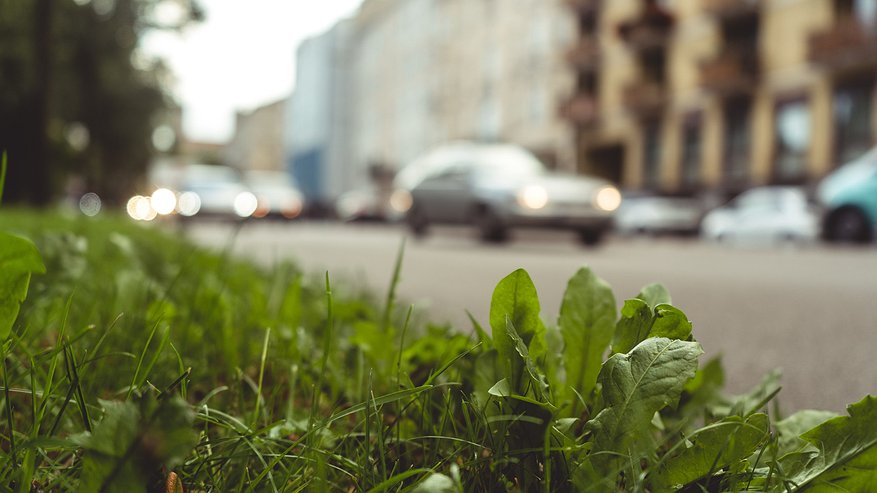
(764, 215)
(276, 194)
(658, 215)
(218, 191)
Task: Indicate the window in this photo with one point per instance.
(691, 153)
(737, 137)
(651, 156)
(792, 136)
(853, 106)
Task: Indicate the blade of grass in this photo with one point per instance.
(2, 175)
(261, 378)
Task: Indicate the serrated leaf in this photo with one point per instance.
(19, 258)
(844, 456)
(587, 317)
(515, 302)
(713, 448)
(636, 386)
(790, 429)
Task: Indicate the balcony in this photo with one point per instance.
(581, 110)
(585, 55)
(648, 32)
(848, 46)
(731, 73)
(729, 9)
(645, 99)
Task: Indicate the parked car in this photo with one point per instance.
(275, 193)
(764, 214)
(653, 214)
(849, 197)
(496, 187)
(218, 190)
(373, 204)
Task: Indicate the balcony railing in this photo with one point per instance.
(650, 31)
(848, 45)
(584, 55)
(730, 73)
(581, 109)
(645, 99)
(730, 8)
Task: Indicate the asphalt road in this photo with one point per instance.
(811, 311)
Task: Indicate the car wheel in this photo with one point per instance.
(490, 226)
(848, 225)
(591, 237)
(417, 222)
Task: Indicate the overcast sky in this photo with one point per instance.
(241, 57)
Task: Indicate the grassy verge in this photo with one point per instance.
(139, 362)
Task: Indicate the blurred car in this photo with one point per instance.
(764, 214)
(275, 193)
(372, 204)
(217, 191)
(653, 214)
(495, 187)
(849, 196)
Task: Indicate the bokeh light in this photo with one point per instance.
(245, 204)
(163, 201)
(189, 204)
(90, 204)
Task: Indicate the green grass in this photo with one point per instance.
(137, 354)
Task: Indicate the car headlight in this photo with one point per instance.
(401, 200)
(533, 197)
(163, 201)
(245, 204)
(607, 198)
(189, 204)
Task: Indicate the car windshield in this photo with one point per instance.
(860, 170)
(508, 162)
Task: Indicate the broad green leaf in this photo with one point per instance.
(844, 457)
(587, 317)
(19, 259)
(636, 386)
(654, 295)
(515, 302)
(712, 448)
(633, 326)
(670, 322)
(790, 429)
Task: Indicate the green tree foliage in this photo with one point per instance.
(67, 65)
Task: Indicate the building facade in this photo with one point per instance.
(257, 142)
(318, 114)
(691, 95)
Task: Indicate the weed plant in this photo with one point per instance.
(134, 361)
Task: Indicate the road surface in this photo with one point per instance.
(811, 311)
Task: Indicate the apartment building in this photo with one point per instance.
(691, 95)
(257, 142)
(427, 72)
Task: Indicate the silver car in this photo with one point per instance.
(497, 187)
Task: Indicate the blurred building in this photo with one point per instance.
(431, 71)
(257, 142)
(317, 141)
(693, 95)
